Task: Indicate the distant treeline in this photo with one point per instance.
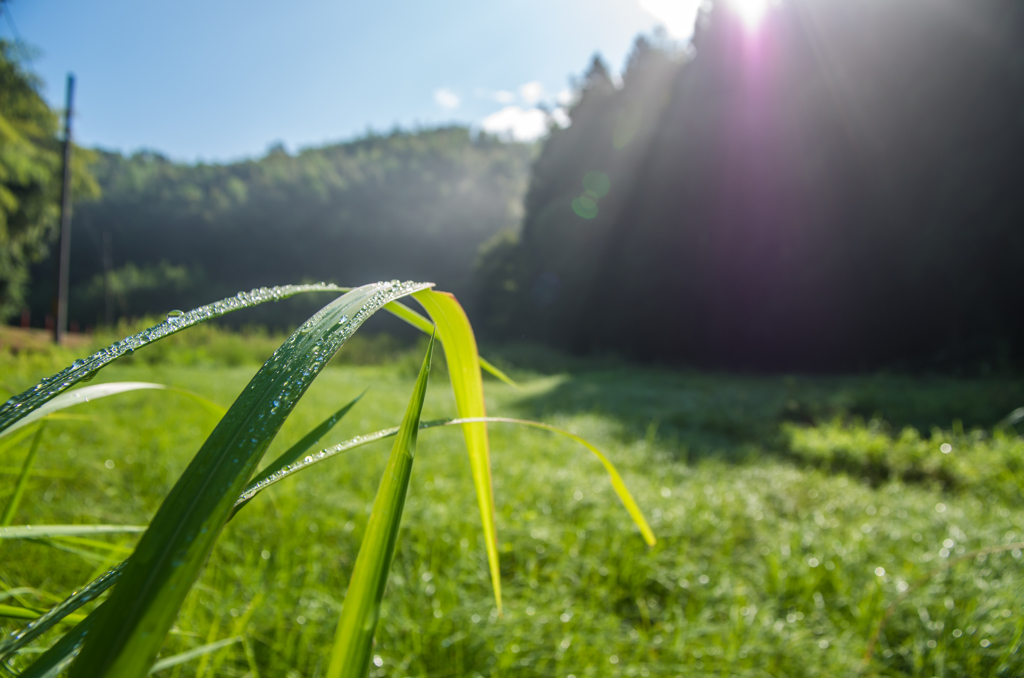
(408, 205)
(840, 187)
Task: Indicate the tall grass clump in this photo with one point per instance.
(123, 635)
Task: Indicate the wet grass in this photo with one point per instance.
(790, 514)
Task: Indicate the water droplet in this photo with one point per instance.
(174, 316)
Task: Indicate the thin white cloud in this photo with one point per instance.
(531, 92)
(504, 96)
(564, 97)
(677, 16)
(445, 98)
(521, 124)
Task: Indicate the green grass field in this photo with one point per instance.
(790, 512)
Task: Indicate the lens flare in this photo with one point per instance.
(751, 11)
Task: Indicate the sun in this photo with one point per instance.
(750, 11)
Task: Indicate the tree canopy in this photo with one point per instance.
(408, 205)
(30, 177)
(836, 189)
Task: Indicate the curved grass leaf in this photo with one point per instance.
(617, 483)
(14, 612)
(353, 642)
(33, 630)
(202, 650)
(28, 401)
(77, 397)
(419, 322)
(460, 351)
(130, 627)
(43, 531)
(57, 657)
(91, 591)
(295, 451)
(94, 589)
(19, 485)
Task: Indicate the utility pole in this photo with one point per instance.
(108, 265)
(64, 247)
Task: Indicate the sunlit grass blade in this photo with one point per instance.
(617, 483)
(19, 485)
(28, 401)
(78, 397)
(254, 487)
(43, 531)
(616, 479)
(14, 612)
(353, 642)
(419, 322)
(33, 630)
(60, 654)
(460, 351)
(202, 650)
(301, 447)
(132, 624)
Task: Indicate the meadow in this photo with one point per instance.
(791, 513)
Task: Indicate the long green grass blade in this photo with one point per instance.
(94, 589)
(77, 397)
(77, 599)
(43, 531)
(19, 485)
(23, 404)
(300, 448)
(617, 483)
(14, 612)
(616, 479)
(353, 642)
(419, 322)
(202, 650)
(132, 624)
(460, 351)
(60, 654)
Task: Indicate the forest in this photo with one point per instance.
(840, 193)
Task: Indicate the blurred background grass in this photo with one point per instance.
(790, 511)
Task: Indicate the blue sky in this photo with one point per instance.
(222, 79)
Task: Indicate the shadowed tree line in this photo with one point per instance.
(30, 177)
(408, 205)
(838, 188)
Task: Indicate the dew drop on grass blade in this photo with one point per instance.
(460, 351)
(130, 627)
(353, 642)
(298, 449)
(28, 401)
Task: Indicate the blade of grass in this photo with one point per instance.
(19, 486)
(93, 590)
(77, 397)
(13, 612)
(419, 322)
(300, 448)
(50, 663)
(33, 630)
(616, 479)
(460, 351)
(28, 401)
(201, 651)
(617, 483)
(131, 626)
(353, 642)
(42, 531)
